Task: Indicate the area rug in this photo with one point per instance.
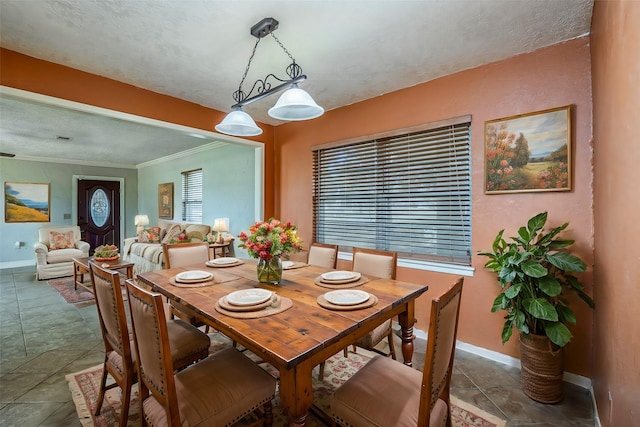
(85, 385)
(65, 288)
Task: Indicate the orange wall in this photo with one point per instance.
(46, 78)
(616, 112)
(551, 77)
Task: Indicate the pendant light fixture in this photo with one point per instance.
(294, 103)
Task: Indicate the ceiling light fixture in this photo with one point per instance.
(294, 103)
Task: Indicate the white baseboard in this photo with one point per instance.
(17, 264)
(578, 380)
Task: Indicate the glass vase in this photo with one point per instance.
(270, 270)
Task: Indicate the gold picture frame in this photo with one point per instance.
(165, 200)
(529, 152)
(27, 202)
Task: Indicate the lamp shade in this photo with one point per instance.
(295, 104)
(141, 220)
(221, 224)
(238, 123)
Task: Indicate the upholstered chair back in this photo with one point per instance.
(181, 254)
(152, 344)
(323, 255)
(375, 263)
(441, 345)
(44, 233)
(111, 308)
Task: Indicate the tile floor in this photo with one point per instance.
(43, 338)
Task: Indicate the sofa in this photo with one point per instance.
(145, 250)
(55, 250)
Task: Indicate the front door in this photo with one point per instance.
(99, 212)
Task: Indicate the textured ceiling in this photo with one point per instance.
(197, 50)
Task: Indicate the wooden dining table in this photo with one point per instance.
(296, 340)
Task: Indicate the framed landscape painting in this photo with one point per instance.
(165, 200)
(529, 152)
(26, 202)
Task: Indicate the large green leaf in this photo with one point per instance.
(533, 268)
(540, 308)
(520, 322)
(498, 243)
(507, 274)
(558, 244)
(558, 333)
(536, 223)
(513, 291)
(500, 303)
(553, 233)
(549, 285)
(565, 261)
(507, 330)
(525, 237)
(565, 314)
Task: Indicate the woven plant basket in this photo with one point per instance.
(541, 362)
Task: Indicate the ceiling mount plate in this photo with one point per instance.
(264, 27)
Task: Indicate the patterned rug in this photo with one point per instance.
(85, 385)
(64, 287)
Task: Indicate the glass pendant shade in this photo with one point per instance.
(295, 104)
(238, 123)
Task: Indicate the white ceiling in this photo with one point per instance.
(197, 50)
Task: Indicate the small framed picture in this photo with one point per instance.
(26, 202)
(529, 152)
(165, 200)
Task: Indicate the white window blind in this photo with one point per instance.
(409, 193)
(192, 196)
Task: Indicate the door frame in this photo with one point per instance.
(74, 200)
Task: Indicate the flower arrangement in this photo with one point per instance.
(106, 253)
(270, 239)
(180, 238)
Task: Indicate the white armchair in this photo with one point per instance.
(51, 263)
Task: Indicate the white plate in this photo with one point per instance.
(346, 297)
(287, 264)
(340, 275)
(248, 297)
(193, 275)
(224, 260)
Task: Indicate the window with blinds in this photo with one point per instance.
(409, 193)
(192, 196)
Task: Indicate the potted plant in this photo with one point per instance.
(535, 272)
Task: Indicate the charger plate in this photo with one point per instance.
(361, 281)
(322, 302)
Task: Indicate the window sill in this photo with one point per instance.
(438, 267)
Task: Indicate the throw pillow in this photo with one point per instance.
(61, 240)
(149, 235)
(172, 233)
(195, 236)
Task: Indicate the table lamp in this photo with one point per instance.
(140, 221)
(221, 225)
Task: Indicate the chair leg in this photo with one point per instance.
(103, 382)
(126, 401)
(268, 414)
(392, 349)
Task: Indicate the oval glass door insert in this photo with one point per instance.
(99, 207)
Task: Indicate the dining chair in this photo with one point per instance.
(323, 255)
(178, 255)
(188, 342)
(377, 263)
(219, 390)
(410, 398)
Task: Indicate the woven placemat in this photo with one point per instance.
(218, 277)
(322, 302)
(234, 264)
(285, 304)
(361, 281)
(296, 264)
